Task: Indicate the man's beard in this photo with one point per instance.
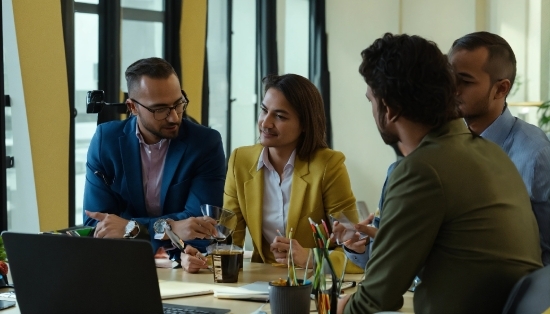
(479, 109)
(158, 131)
(386, 135)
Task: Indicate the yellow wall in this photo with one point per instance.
(38, 25)
(192, 47)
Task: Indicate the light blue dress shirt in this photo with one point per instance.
(529, 148)
(362, 259)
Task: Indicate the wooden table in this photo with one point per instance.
(251, 272)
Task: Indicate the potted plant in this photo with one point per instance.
(3, 265)
(544, 117)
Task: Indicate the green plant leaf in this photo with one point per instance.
(544, 116)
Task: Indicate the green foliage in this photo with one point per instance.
(3, 256)
(517, 85)
(544, 116)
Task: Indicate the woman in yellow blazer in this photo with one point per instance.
(290, 176)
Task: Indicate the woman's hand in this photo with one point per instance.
(192, 261)
(281, 246)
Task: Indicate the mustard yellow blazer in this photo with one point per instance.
(320, 187)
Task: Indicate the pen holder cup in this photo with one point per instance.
(326, 298)
(225, 262)
(290, 299)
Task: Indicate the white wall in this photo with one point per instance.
(354, 129)
(353, 25)
(439, 21)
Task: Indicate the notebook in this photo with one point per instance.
(257, 291)
(179, 289)
(63, 274)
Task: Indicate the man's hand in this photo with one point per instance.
(192, 261)
(342, 304)
(281, 246)
(366, 226)
(108, 225)
(194, 228)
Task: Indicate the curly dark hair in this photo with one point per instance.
(413, 77)
(305, 98)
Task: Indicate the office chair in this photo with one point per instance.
(362, 210)
(531, 294)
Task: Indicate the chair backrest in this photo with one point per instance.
(531, 294)
(362, 210)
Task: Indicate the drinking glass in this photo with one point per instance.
(345, 228)
(226, 220)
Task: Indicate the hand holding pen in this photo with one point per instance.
(281, 246)
(193, 261)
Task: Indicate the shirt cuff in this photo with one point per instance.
(359, 259)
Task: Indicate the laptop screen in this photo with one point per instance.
(63, 274)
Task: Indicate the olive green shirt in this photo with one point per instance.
(456, 211)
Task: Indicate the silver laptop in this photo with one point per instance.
(65, 274)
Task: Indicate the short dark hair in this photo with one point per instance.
(305, 98)
(156, 68)
(413, 77)
(501, 62)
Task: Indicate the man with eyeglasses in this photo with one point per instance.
(154, 165)
(485, 66)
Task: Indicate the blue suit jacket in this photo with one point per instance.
(194, 174)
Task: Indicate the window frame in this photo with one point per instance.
(110, 15)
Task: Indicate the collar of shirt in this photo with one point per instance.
(264, 160)
(276, 198)
(142, 141)
(500, 128)
(153, 158)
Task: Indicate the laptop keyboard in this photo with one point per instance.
(188, 309)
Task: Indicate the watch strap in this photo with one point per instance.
(128, 233)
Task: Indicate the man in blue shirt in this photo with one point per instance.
(485, 66)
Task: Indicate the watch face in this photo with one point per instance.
(130, 227)
(159, 225)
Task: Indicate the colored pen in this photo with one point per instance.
(325, 227)
(201, 256)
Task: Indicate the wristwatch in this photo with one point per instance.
(130, 228)
(159, 226)
(162, 227)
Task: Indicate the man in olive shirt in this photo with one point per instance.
(456, 210)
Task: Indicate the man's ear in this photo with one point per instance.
(503, 88)
(391, 114)
(131, 107)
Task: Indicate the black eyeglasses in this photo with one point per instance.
(163, 113)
